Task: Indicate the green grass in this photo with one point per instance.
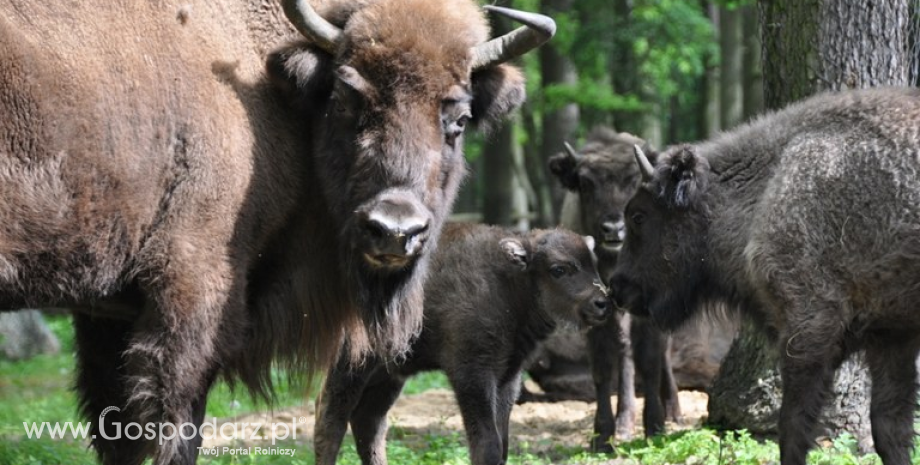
(39, 390)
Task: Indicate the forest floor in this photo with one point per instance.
(537, 428)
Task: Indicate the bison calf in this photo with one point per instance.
(492, 295)
(809, 219)
(601, 178)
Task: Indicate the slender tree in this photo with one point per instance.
(731, 88)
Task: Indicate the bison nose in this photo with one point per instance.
(613, 233)
(596, 313)
(396, 232)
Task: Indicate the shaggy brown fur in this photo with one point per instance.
(150, 171)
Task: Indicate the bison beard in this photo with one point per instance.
(388, 301)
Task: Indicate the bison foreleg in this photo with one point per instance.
(101, 385)
(609, 347)
(369, 419)
(892, 364)
(649, 345)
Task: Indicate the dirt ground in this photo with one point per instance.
(542, 426)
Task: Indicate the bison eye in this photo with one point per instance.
(638, 218)
(557, 271)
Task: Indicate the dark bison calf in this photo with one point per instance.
(492, 296)
(809, 219)
(601, 178)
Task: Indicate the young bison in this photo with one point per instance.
(600, 178)
(808, 219)
(492, 296)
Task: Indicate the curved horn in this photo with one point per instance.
(537, 29)
(645, 166)
(568, 149)
(309, 23)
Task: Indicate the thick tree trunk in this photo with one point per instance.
(24, 334)
(811, 46)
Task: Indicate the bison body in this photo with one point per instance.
(211, 204)
(492, 295)
(808, 219)
(601, 177)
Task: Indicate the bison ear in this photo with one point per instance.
(302, 74)
(683, 176)
(563, 166)
(514, 251)
(497, 91)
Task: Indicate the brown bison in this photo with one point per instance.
(600, 178)
(211, 205)
(809, 219)
(491, 296)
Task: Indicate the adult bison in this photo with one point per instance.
(209, 216)
(493, 294)
(809, 218)
(600, 178)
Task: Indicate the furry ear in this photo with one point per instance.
(682, 176)
(514, 251)
(497, 91)
(564, 167)
(302, 74)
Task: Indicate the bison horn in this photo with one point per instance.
(537, 29)
(645, 166)
(568, 149)
(309, 23)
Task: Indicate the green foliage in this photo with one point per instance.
(671, 40)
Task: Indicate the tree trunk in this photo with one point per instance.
(731, 91)
(623, 70)
(751, 64)
(811, 46)
(24, 334)
(498, 177)
(560, 124)
(710, 120)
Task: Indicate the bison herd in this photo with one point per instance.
(219, 190)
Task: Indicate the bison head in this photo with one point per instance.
(662, 267)
(563, 267)
(388, 88)
(605, 176)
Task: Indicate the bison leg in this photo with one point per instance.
(649, 345)
(810, 357)
(369, 418)
(507, 394)
(669, 391)
(892, 364)
(607, 345)
(477, 397)
(342, 391)
(101, 384)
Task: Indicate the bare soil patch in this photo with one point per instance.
(538, 428)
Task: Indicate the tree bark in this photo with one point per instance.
(498, 177)
(560, 124)
(812, 46)
(751, 63)
(731, 90)
(710, 120)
